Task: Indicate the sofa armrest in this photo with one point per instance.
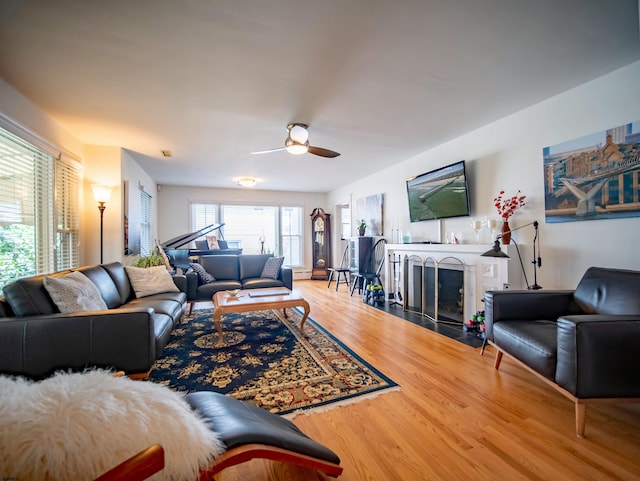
(192, 285)
(35, 346)
(180, 280)
(509, 305)
(597, 355)
(286, 276)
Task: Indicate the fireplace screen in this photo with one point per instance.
(435, 289)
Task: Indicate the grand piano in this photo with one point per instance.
(181, 258)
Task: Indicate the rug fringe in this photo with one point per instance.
(334, 405)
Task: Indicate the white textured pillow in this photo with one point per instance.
(77, 426)
(74, 292)
(147, 281)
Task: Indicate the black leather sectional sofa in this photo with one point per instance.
(36, 339)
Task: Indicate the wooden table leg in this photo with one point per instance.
(217, 315)
(305, 306)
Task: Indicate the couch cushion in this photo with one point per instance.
(533, 342)
(251, 265)
(261, 282)
(150, 280)
(206, 291)
(74, 292)
(170, 307)
(272, 267)
(222, 267)
(120, 279)
(103, 281)
(609, 291)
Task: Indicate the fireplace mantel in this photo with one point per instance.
(481, 274)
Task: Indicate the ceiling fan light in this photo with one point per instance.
(298, 133)
(296, 148)
(247, 181)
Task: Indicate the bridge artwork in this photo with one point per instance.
(595, 177)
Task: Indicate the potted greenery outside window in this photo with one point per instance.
(362, 226)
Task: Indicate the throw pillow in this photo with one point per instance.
(203, 276)
(147, 281)
(272, 267)
(76, 426)
(212, 242)
(74, 292)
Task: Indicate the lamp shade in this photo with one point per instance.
(495, 251)
(101, 193)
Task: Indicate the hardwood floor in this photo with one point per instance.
(455, 417)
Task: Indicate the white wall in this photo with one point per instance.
(507, 154)
(174, 210)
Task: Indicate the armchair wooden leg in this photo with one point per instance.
(581, 412)
(496, 364)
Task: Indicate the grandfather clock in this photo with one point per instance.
(321, 238)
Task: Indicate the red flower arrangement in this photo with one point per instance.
(508, 205)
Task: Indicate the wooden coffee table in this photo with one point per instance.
(256, 300)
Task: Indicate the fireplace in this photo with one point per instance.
(436, 289)
(460, 272)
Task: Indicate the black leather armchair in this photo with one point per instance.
(583, 342)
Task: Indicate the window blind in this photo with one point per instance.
(145, 223)
(39, 210)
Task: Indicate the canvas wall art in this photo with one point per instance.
(370, 209)
(594, 177)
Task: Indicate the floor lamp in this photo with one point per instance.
(101, 193)
(496, 251)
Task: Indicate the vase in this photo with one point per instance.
(506, 232)
(361, 232)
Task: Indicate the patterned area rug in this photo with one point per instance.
(266, 361)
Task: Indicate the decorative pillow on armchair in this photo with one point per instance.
(272, 267)
(147, 281)
(203, 276)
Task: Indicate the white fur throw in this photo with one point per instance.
(77, 426)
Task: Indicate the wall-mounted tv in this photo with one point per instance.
(439, 194)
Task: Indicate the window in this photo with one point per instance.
(39, 210)
(291, 232)
(345, 221)
(203, 215)
(145, 224)
(255, 228)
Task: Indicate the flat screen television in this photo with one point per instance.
(439, 194)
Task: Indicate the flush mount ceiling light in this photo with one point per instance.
(247, 181)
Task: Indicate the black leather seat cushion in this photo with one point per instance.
(533, 342)
(238, 423)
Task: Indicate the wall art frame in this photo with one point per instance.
(594, 177)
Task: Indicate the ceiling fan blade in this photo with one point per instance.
(268, 151)
(322, 152)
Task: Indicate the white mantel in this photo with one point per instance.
(481, 274)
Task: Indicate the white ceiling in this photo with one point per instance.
(377, 80)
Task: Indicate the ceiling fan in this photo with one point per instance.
(297, 143)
